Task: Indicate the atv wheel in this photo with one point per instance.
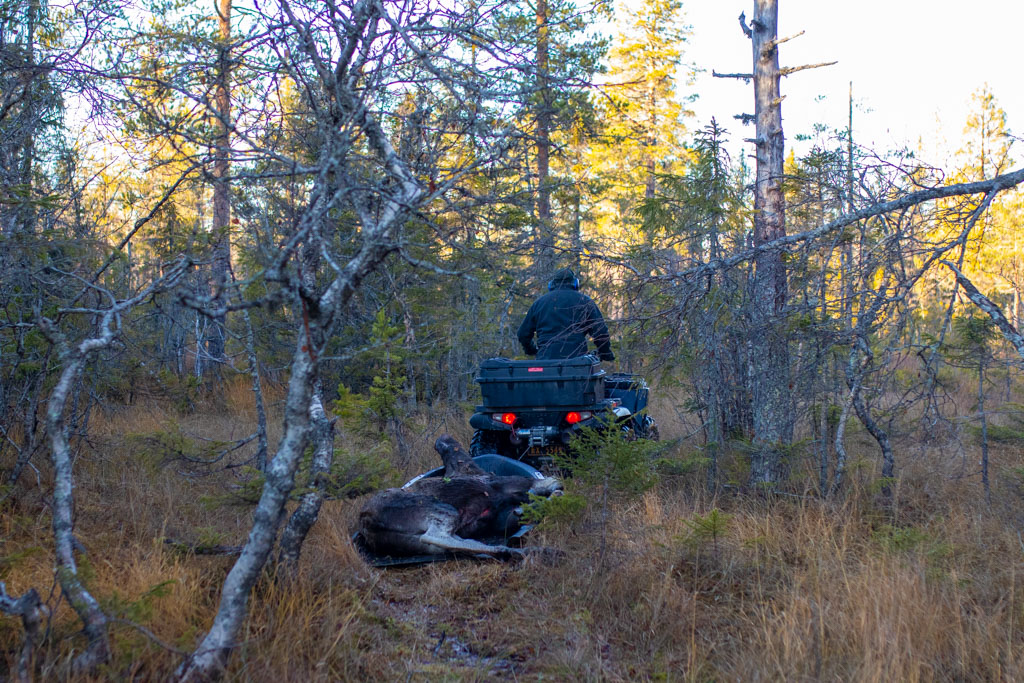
(484, 441)
(649, 429)
(628, 433)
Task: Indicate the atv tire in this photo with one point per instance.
(484, 441)
(649, 429)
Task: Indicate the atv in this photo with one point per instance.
(532, 409)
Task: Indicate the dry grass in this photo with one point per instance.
(924, 588)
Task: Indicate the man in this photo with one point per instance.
(562, 319)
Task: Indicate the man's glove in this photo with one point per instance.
(607, 356)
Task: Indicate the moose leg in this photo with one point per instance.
(440, 535)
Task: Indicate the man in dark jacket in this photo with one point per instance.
(562, 319)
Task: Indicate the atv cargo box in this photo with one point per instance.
(573, 382)
(631, 390)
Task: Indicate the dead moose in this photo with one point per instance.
(453, 513)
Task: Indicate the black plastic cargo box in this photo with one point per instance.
(508, 383)
(630, 389)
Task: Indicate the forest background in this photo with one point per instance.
(253, 255)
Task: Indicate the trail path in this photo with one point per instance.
(448, 614)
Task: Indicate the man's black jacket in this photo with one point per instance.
(562, 319)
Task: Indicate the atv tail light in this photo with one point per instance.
(574, 417)
(504, 418)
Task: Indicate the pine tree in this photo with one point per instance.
(994, 261)
(566, 58)
(642, 113)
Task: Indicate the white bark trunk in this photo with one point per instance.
(74, 359)
(379, 228)
(81, 600)
(211, 655)
(308, 510)
(33, 614)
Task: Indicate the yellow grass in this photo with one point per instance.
(795, 589)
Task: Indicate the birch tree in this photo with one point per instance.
(350, 61)
(73, 358)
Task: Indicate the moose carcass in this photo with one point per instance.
(451, 513)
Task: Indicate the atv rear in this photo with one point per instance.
(533, 409)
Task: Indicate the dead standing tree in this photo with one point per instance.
(769, 352)
(893, 227)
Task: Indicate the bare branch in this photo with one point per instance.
(772, 44)
(745, 77)
(743, 25)
(785, 71)
(149, 634)
(991, 309)
(139, 224)
(997, 184)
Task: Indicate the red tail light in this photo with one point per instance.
(504, 418)
(573, 417)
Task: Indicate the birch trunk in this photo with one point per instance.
(322, 433)
(73, 359)
(399, 194)
(211, 656)
(33, 614)
(87, 608)
(308, 510)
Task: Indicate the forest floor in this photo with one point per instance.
(919, 585)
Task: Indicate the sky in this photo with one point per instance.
(914, 65)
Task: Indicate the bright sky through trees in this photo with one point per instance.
(913, 63)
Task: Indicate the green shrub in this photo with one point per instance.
(161, 447)
(610, 458)
(543, 511)
(706, 528)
